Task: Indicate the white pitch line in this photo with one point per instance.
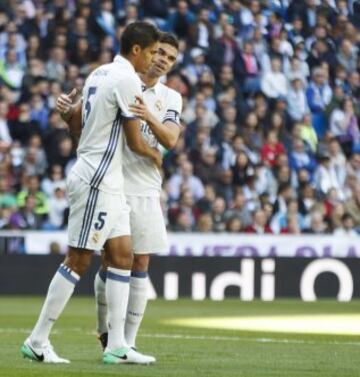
(11, 330)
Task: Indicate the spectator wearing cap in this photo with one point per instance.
(318, 95)
(197, 67)
(273, 83)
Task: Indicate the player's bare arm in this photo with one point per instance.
(70, 113)
(137, 144)
(166, 133)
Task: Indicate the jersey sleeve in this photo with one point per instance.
(174, 107)
(125, 93)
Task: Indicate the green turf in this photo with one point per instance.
(180, 351)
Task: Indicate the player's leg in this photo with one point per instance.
(138, 297)
(119, 259)
(37, 346)
(148, 236)
(101, 304)
(81, 199)
(136, 304)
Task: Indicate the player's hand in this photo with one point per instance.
(158, 159)
(64, 102)
(140, 109)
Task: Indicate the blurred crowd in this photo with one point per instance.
(271, 92)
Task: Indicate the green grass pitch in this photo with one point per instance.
(184, 351)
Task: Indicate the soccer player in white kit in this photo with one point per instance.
(159, 110)
(99, 215)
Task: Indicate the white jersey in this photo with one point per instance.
(142, 178)
(107, 94)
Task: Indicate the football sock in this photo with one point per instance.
(136, 306)
(117, 296)
(101, 305)
(60, 290)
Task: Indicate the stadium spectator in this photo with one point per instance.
(347, 227)
(259, 225)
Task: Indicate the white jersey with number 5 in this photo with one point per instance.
(108, 92)
(142, 178)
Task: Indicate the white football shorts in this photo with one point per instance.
(148, 230)
(95, 216)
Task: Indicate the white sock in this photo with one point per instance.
(101, 304)
(60, 290)
(117, 296)
(136, 306)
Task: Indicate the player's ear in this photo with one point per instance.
(136, 49)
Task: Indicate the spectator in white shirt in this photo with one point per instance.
(296, 100)
(273, 83)
(325, 176)
(185, 179)
(347, 228)
(5, 137)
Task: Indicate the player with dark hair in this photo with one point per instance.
(99, 215)
(159, 109)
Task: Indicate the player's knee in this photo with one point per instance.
(78, 261)
(122, 260)
(141, 263)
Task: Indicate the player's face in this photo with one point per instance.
(146, 57)
(164, 59)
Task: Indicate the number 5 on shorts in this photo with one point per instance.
(100, 220)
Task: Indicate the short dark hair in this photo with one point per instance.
(139, 33)
(170, 39)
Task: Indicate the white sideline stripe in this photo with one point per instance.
(9, 330)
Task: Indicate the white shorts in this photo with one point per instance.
(95, 216)
(148, 230)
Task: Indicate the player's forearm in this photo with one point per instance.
(74, 121)
(167, 136)
(141, 148)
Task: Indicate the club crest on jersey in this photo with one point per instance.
(96, 237)
(158, 105)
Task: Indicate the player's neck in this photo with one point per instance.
(149, 80)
